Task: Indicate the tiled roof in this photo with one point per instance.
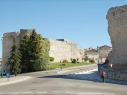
(105, 47)
(91, 50)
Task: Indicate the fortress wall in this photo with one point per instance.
(8, 41)
(7, 44)
(24, 32)
(117, 29)
(61, 50)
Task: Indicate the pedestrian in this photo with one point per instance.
(103, 76)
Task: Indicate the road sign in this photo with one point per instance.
(8, 75)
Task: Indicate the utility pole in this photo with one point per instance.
(2, 57)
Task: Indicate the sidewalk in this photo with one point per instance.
(5, 81)
(93, 75)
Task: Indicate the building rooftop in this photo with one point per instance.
(91, 50)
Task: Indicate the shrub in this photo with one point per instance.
(64, 64)
(89, 59)
(41, 64)
(92, 61)
(86, 58)
(74, 61)
(51, 58)
(65, 61)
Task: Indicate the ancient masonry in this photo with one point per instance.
(117, 28)
(60, 49)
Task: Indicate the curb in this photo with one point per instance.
(66, 68)
(15, 81)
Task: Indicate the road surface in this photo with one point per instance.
(56, 83)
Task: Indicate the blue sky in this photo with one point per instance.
(80, 21)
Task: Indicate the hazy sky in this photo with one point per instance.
(80, 21)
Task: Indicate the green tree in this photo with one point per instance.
(14, 60)
(86, 58)
(43, 62)
(51, 59)
(35, 48)
(24, 48)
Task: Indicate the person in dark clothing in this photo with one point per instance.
(103, 76)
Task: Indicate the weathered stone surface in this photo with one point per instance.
(8, 42)
(117, 29)
(60, 49)
(114, 74)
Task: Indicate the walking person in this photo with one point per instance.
(103, 76)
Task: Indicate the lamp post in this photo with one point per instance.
(2, 57)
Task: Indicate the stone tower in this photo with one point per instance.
(8, 42)
(117, 29)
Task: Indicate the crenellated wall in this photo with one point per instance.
(60, 49)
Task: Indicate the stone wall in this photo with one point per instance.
(114, 74)
(59, 49)
(8, 42)
(117, 29)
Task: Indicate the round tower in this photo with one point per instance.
(24, 32)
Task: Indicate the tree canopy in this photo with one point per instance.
(15, 59)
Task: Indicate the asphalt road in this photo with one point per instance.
(56, 83)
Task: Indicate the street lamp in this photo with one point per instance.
(2, 57)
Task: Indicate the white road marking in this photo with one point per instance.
(41, 92)
(87, 93)
(13, 92)
(27, 92)
(69, 92)
(56, 91)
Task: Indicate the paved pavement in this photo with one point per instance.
(11, 80)
(20, 78)
(93, 75)
(57, 83)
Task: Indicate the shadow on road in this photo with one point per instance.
(93, 77)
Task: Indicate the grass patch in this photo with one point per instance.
(58, 64)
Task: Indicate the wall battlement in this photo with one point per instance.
(59, 49)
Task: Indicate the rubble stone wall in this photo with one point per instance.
(114, 74)
(117, 29)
